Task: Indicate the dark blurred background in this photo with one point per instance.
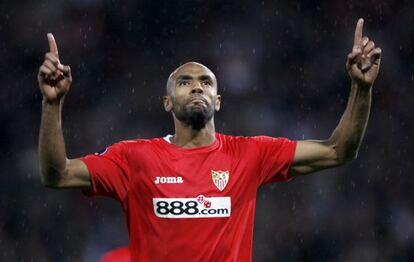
(281, 72)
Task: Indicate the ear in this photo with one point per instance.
(168, 106)
(218, 103)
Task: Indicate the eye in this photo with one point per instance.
(183, 83)
(206, 83)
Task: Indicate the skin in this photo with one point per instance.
(194, 87)
(56, 169)
(187, 86)
(363, 65)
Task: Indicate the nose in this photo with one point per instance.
(197, 89)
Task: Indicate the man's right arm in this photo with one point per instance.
(56, 169)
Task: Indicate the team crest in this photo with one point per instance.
(220, 178)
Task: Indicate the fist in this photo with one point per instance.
(54, 78)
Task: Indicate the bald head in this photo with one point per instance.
(192, 96)
(189, 69)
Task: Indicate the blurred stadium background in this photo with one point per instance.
(280, 67)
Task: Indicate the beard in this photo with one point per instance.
(196, 116)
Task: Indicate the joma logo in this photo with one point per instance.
(168, 180)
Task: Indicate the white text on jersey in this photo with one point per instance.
(168, 180)
(195, 207)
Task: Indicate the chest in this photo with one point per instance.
(193, 186)
(214, 174)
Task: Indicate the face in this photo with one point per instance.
(192, 95)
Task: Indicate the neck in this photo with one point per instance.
(187, 137)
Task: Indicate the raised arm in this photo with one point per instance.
(56, 170)
(362, 65)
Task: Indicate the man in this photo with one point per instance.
(191, 196)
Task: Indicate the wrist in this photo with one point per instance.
(360, 85)
(52, 103)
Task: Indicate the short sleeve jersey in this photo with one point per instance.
(190, 204)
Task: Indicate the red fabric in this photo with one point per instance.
(128, 171)
(121, 254)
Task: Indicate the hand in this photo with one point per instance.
(53, 77)
(364, 61)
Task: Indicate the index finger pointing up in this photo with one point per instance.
(358, 32)
(52, 44)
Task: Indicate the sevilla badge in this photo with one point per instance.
(220, 178)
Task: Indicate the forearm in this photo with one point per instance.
(347, 136)
(52, 152)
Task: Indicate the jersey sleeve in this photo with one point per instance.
(276, 156)
(108, 172)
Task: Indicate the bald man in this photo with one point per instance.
(191, 196)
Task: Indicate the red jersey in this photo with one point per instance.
(190, 204)
(121, 254)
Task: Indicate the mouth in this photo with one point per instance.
(197, 100)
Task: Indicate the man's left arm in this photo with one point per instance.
(314, 155)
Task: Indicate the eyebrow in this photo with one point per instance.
(188, 77)
(205, 77)
(184, 77)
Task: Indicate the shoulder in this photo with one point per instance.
(252, 142)
(230, 139)
(140, 143)
(250, 139)
(238, 142)
(133, 145)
